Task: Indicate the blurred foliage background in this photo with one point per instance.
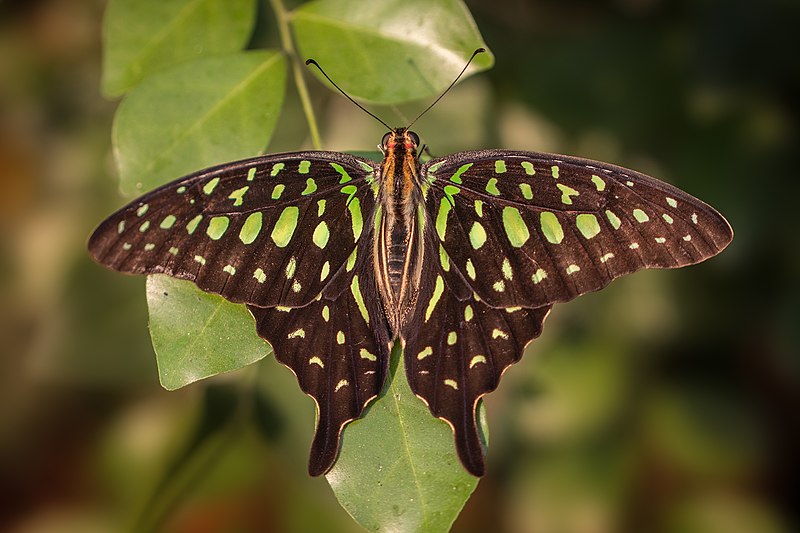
(665, 403)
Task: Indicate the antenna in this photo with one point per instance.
(463, 70)
(364, 109)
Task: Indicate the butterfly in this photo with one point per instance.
(459, 259)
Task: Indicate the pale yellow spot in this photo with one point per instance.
(301, 333)
(508, 272)
(499, 334)
(342, 383)
(425, 353)
(476, 360)
(366, 354)
(451, 383)
(316, 361)
(470, 270)
(468, 313)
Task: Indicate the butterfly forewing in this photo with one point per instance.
(266, 231)
(528, 229)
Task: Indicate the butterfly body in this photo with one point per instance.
(460, 259)
(399, 253)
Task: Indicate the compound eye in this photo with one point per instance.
(385, 140)
(414, 137)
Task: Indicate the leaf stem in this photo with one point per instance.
(282, 16)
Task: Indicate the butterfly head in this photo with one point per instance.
(400, 139)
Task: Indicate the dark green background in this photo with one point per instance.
(665, 403)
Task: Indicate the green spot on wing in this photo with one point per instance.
(303, 167)
(450, 191)
(551, 227)
(477, 235)
(500, 166)
(491, 187)
(554, 170)
(587, 224)
(470, 269)
(613, 219)
(640, 216)
(528, 166)
(340, 169)
(321, 235)
(441, 218)
(251, 174)
(516, 229)
(209, 187)
(285, 226)
(444, 259)
(277, 167)
(456, 178)
(355, 217)
(277, 191)
(192, 225)
(168, 222)
(598, 183)
(251, 227)
(527, 192)
(437, 293)
(217, 227)
(354, 288)
(566, 193)
(311, 186)
(238, 195)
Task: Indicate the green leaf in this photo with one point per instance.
(196, 334)
(143, 37)
(398, 469)
(196, 115)
(390, 52)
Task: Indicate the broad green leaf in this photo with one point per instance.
(143, 37)
(198, 114)
(398, 469)
(196, 334)
(389, 52)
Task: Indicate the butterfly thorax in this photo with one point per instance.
(398, 250)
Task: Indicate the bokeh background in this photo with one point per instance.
(667, 402)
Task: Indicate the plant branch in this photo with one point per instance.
(282, 16)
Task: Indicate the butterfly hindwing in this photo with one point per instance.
(528, 229)
(338, 348)
(265, 231)
(456, 349)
